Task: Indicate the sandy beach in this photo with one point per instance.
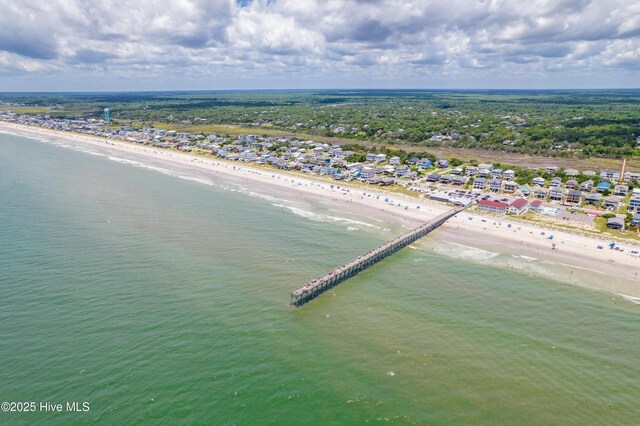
(577, 256)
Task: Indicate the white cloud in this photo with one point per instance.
(218, 42)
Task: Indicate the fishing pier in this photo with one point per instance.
(316, 287)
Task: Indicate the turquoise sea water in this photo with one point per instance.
(163, 300)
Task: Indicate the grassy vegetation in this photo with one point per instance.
(27, 109)
(559, 124)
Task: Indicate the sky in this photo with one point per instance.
(105, 45)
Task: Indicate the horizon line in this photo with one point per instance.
(404, 89)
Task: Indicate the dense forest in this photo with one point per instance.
(594, 123)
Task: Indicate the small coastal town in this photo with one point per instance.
(583, 196)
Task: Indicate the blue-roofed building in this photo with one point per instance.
(425, 163)
(604, 186)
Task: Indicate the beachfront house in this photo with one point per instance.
(634, 204)
(480, 183)
(509, 186)
(615, 223)
(621, 190)
(571, 172)
(370, 157)
(551, 169)
(443, 164)
(540, 193)
(525, 190)
(612, 202)
(574, 196)
(589, 173)
(493, 207)
(536, 206)
(367, 173)
(496, 173)
(394, 161)
(508, 175)
(457, 171)
(593, 198)
(248, 155)
(471, 171)
(556, 194)
(483, 173)
(518, 206)
(538, 181)
(635, 220)
(495, 185)
(586, 186)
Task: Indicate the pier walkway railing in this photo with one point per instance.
(315, 287)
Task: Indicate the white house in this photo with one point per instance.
(508, 175)
(367, 173)
(380, 158)
(518, 206)
(539, 181)
(480, 183)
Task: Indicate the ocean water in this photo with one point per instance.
(161, 296)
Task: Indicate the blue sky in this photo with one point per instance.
(74, 45)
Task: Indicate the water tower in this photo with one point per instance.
(107, 115)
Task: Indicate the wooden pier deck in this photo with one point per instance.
(315, 287)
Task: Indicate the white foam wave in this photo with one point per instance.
(196, 179)
(463, 252)
(632, 299)
(368, 217)
(521, 256)
(97, 154)
(320, 217)
(262, 196)
(142, 165)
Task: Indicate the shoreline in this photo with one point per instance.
(617, 271)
